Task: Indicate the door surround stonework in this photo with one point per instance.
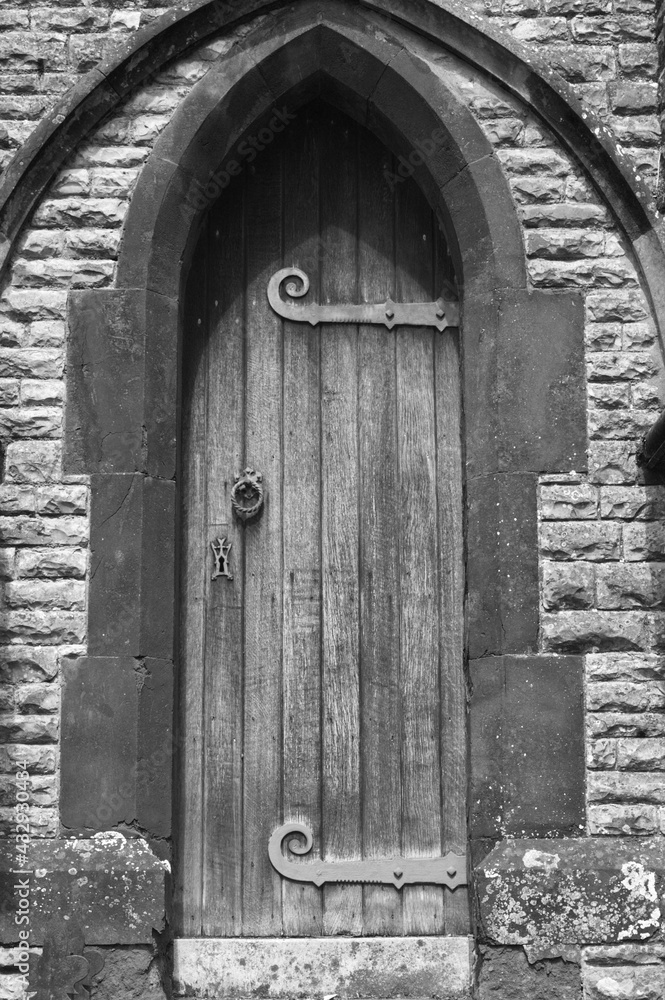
(122, 414)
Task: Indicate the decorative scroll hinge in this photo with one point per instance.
(439, 314)
(449, 870)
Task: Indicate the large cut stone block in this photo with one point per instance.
(117, 744)
(306, 967)
(554, 895)
(132, 540)
(502, 565)
(542, 382)
(527, 746)
(114, 888)
(120, 414)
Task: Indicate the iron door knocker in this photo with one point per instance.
(247, 495)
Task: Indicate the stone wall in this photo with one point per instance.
(601, 534)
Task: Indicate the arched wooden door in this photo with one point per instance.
(324, 682)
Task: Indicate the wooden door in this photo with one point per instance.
(324, 683)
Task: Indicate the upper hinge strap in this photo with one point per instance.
(439, 314)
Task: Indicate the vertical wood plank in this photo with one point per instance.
(341, 820)
(302, 904)
(193, 563)
(451, 597)
(379, 539)
(222, 816)
(262, 889)
(421, 761)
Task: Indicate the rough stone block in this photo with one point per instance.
(632, 366)
(30, 363)
(53, 500)
(130, 973)
(630, 787)
(638, 336)
(638, 59)
(43, 822)
(52, 563)
(46, 334)
(44, 594)
(16, 499)
(114, 886)
(608, 306)
(506, 972)
(33, 461)
(643, 541)
(590, 540)
(527, 747)
(640, 754)
(613, 462)
(7, 564)
(552, 216)
(601, 755)
(42, 790)
(646, 724)
(579, 65)
(633, 586)
(43, 628)
(9, 392)
(567, 586)
(637, 503)
(625, 667)
(626, 696)
(633, 982)
(565, 244)
(36, 698)
(591, 631)
(72, 213)
(619, 424)
(43, 531)
(633, 98)
(557, 893)
(608, 397)
(601, 272)
(45, 392)
(28, 729)
(24, 664)
(35, 759)
(562, 502)
(621, 820)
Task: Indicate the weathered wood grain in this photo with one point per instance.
(302, 904)
(380, 697)
(451, 601)
(193, 590)
(262, 889)
(325, 683)
(341, 822)
(419, 634)
(223, 697)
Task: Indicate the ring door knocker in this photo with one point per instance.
(247, 497)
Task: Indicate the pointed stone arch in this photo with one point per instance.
(522, 373)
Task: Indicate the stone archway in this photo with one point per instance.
(122, 412)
